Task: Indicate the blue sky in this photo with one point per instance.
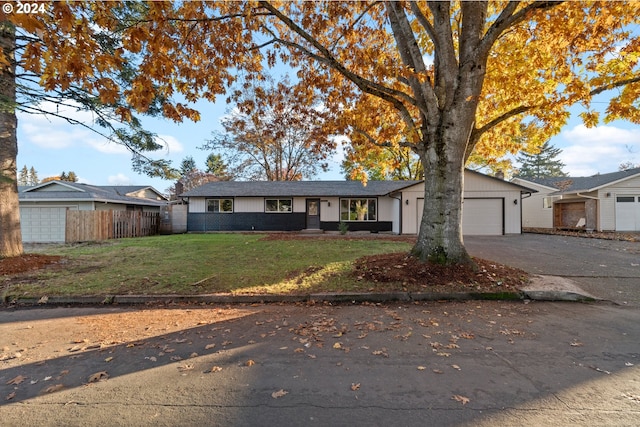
(51, 146)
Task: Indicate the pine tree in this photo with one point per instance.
(542, 164)
(23, 176)
(33, 176)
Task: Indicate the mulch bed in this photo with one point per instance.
(26, 262)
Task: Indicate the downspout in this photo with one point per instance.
(528, 193)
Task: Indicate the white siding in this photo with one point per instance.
(300, 204)
(330, 213)
(534, 212)
(197, 205)
(607, 208)
(247, 204)
(386, 209)
(475, 186)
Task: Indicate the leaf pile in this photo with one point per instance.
(415, 276)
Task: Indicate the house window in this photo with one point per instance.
(625, 199)
(220, 205)
(358, 210)
(278, 205)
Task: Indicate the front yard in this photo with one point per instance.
(241, 264)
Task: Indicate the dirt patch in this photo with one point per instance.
(26, 262)
(417, 276)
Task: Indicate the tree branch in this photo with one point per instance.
(614, 85)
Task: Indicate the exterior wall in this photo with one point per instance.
(475, 186)
(534, 212)
(607, 212)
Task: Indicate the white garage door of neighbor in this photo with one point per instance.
(627, 213)
(42, 224)
(479, 216)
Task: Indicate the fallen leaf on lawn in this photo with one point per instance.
(462, 399)
(209, 346)
(98, 376)
(456, 367)
(279, 393)
(54, 388)
(10, 395)
(17, 380)
(250, 362)
(422, 368)
(355, 386)
(185, 368)
(214, 369)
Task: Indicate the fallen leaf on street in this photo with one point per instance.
(250, 362)
(456, 367)
(337, 346)
(54, 388)
(10, 395)
(576, 343)
(355, 386)
(214, 369)
(209, 346)
(185, 368)
(108, 359)
(17, 380)
(462, 399)
(422, 368)
(279, 393)
(437, 371)
(98, 376)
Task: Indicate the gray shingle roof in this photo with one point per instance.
(86, 192)
(297, 188)
(584, 183)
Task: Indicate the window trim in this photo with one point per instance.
(219, 199)
(278, 200)
(625, 199)
(368, 199)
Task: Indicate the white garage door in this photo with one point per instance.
(627, 213)
(479, 216)
(42, 224)
(482, 217)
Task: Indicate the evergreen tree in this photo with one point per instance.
(23, 176)
(542, 164)
(33, 176)
(216, 166)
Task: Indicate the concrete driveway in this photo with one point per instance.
(607, 269)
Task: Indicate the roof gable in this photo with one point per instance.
(54, 186)
(586, 183)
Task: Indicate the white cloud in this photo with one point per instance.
(106, 147)
(119, 179)
(602, 149)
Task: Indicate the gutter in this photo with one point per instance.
(586, 197)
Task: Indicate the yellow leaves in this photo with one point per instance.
(590, 118)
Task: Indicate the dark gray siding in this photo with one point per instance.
(260, 221)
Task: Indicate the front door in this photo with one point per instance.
(313, 214)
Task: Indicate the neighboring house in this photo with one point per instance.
(43, 207)
(604, 202)
(491, 206)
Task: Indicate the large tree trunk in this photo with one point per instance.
(10, 234)
(440, 235)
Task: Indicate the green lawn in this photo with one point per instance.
(203, 263)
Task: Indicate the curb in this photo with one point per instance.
(353, 298)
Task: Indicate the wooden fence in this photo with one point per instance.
(85, 226)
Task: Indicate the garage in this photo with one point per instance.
(628, 213)
(42, 224)
(480, 217)
(483, 217)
